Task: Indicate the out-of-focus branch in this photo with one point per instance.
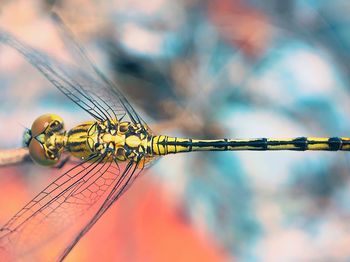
(13, 156)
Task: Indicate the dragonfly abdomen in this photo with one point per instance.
(163, 145)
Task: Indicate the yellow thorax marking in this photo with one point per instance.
(116, 139)
(133, 141)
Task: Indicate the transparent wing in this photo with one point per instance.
(120, 187)
(67, 202)
(93, 92)
(84, 61)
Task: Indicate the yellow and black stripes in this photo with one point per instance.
(77, 142)
(125, 141)
(163, 145)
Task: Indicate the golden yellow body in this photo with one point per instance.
(125, 141)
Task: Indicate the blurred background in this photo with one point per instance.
(202, 69)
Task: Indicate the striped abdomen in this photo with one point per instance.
(162, 145)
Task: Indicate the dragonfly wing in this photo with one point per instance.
(65, 204)
(82, 58)
(119, 188)
(94, 93)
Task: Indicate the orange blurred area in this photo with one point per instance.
(211, 69)
(141, 226)
(241, 25)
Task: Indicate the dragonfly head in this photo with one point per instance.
(45, 139)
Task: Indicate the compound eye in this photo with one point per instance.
(43, 122)
(38, 154)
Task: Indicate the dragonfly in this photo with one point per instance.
(112, 150)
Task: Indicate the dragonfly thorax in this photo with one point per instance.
(116, 140)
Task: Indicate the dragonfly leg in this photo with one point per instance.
(62, 162)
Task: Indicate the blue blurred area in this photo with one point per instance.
(242, 69)
(295, 85)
